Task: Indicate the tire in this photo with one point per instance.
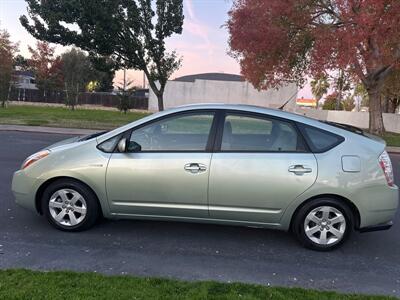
(74, 202)
(323, 224)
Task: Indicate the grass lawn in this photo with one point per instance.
(64, 117)
(392, 139)
(23, 284)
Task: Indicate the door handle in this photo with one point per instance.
(195, 168)
(299, 169)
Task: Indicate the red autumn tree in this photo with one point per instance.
(47, 67)
(279, 41)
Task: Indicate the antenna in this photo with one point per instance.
(287, 101)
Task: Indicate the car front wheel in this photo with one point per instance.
(323, 224)
(70, 205)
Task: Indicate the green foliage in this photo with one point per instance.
(62, 117)
(23, 284)
(76, 71)
(319, 87)
(7, 52)
(330, 102)
(348, 103)
(131, 33)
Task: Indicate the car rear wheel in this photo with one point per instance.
(323, 224)
(70, 205)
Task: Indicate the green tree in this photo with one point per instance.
(319, 87)
(21, 63)
(361, 92)
(7, 52)
(76, 72)
(103, 71)
(131, 32)
(391, 92)
(331, 102)
(348, 103)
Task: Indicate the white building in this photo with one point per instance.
(25, 80)
(222, 88)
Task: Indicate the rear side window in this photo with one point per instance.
(320, 140)
(260, 134)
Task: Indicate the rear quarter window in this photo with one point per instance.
(320, 140)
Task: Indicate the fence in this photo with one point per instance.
(95, 98)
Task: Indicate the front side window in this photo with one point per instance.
(253, 133)
(188, 132)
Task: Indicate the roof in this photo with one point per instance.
(233, 107)
(210, 76)
(24, 73)
(306, 102)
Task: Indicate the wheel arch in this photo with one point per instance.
(48, 182)
(344, 200)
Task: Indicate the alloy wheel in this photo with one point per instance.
(67, 207)
(325, 225)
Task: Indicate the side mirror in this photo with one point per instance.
(134, 147)
(122, 145)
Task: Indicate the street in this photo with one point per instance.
(367, 263)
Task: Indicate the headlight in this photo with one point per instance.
(34, 158)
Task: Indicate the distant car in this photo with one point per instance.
(225, 164)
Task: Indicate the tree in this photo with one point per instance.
(319, 87)
(348, 103)
(330, 102)
(46, 66)
(279, 41)
(341, 85)
(76, 73)
(360, 91)
(21, 63)
(391, 92)
(7, 52)
(103, 70)
(131, 32)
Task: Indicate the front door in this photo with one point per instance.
(262, 165)
(168, 176)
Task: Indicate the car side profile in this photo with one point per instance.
(216, 163)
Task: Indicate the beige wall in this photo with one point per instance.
(179, 93)
(358, 119)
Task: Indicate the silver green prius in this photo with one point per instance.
(226, 164)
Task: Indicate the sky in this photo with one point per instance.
(203, 44)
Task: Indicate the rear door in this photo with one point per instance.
(261, 164)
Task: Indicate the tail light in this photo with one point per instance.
(386, 165)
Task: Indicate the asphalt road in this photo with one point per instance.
(368, 263)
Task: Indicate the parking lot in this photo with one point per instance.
(368, 262)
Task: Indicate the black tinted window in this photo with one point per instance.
(253, 133)
(188, 132)
(320, 140)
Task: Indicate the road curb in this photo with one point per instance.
(43, 129)
(393, 149)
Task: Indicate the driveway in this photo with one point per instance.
(368, 263)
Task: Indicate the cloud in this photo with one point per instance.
(195, 27)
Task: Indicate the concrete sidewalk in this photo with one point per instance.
(76, 131)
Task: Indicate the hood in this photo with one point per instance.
(75, 139)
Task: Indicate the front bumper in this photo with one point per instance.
(24, 189)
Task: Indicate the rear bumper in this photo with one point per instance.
(379, 227)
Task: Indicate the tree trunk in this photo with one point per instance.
(160, 99)
(375, 112)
